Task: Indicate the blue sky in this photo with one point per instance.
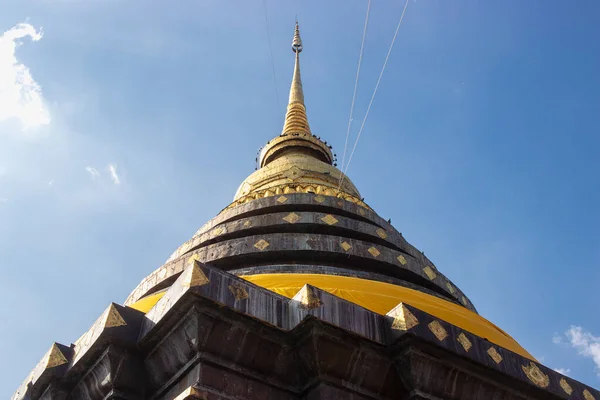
(125, 126)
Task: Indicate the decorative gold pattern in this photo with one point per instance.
(587, 395)
(450, 287)
(403, 318)
(308, 298)
(55, 357)
(464, 341)
(361, 212)
(438, 330)
(113, 318)
(535, 375)
(463, 300)
(374, 252)
(346, 246)
(247, 223)
(293, 173)
(565, 386)
(381, 233)
(282, 199)
(429, 272)
(238, 291)
(493, 353)
(194, 276)
(402, 260)
(261, 244)
(219, 231)
(292, 218)
(319, 199)
(329, 219)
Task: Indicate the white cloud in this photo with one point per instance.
(51, 183)
(3, 199)
(563, 371)
(113, 174)
(93, 172)
(20, 95)
(585, 343)
(557, 339)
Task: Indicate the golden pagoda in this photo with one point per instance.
(296, 290)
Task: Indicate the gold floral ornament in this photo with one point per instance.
(261, 244)
(281, 199)
(402, 260)
(429, 272)
(450, 287)
(381, 233)
(493, 353)
(464, 342)
(238, 291)
(308, 298)
(319, 198)
(374, 252)
(346, 246)
(535, 375)
(438, 330)
(403, 318)
(565, 386)
(587, 395)
(329, 219)
(247, 223)
(292, 218)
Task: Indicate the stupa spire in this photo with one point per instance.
(295, 117)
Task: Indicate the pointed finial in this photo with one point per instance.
(297, 43)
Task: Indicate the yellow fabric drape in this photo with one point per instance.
(381, 297)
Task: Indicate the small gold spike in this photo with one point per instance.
(346, 246)
(587, 395)
(194, 276)
(238, 291)
(55, 357)
(403, 318)
(190, 393)
(402, 260)
(308, 298)
(374, 252)
(381, 233)
(247, 223)
(329, 219)
(292, 218)
(429, 272)
(438, 330)
(565, 386)
(464, 342)
(261, 244)
(282, 199)
(535, 375)
(113, 318)
(493, 353)
(319, 198)
(450, 287)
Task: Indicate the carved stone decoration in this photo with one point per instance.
(535, 375)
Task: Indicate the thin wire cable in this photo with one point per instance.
(362, 46)
(375, 91)
(271, 56)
